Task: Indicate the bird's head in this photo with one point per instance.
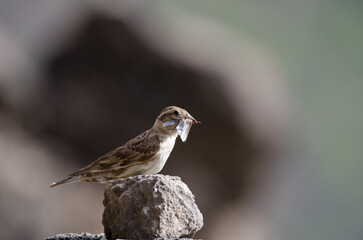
(175, 120)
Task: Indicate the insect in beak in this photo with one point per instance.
(184, 127)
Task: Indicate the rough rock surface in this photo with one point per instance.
(75, 236)
(89, 236)
(148, 207)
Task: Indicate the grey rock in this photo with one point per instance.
(148, 207)
(89, 236)
(75, 236)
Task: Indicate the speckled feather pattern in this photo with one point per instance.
(115, 163)
(144, 154)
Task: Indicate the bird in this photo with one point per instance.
(146, 154)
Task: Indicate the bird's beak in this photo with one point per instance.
(194, 121)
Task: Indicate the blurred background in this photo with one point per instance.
(277, 84)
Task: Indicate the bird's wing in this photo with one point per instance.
(141, 149)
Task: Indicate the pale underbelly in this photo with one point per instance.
(151, 167)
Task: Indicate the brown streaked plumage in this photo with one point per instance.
(144, 154)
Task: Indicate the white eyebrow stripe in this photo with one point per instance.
(171, 122)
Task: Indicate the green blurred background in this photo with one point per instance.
(320, 45)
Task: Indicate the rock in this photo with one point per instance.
(75, 236)
(148, 207)
(89, 236)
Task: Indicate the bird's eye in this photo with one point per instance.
(176, 113)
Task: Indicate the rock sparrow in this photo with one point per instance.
(143, 155)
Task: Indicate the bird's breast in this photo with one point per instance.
(158, 162)
(166, 147)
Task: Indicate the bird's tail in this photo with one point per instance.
(70, 179)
